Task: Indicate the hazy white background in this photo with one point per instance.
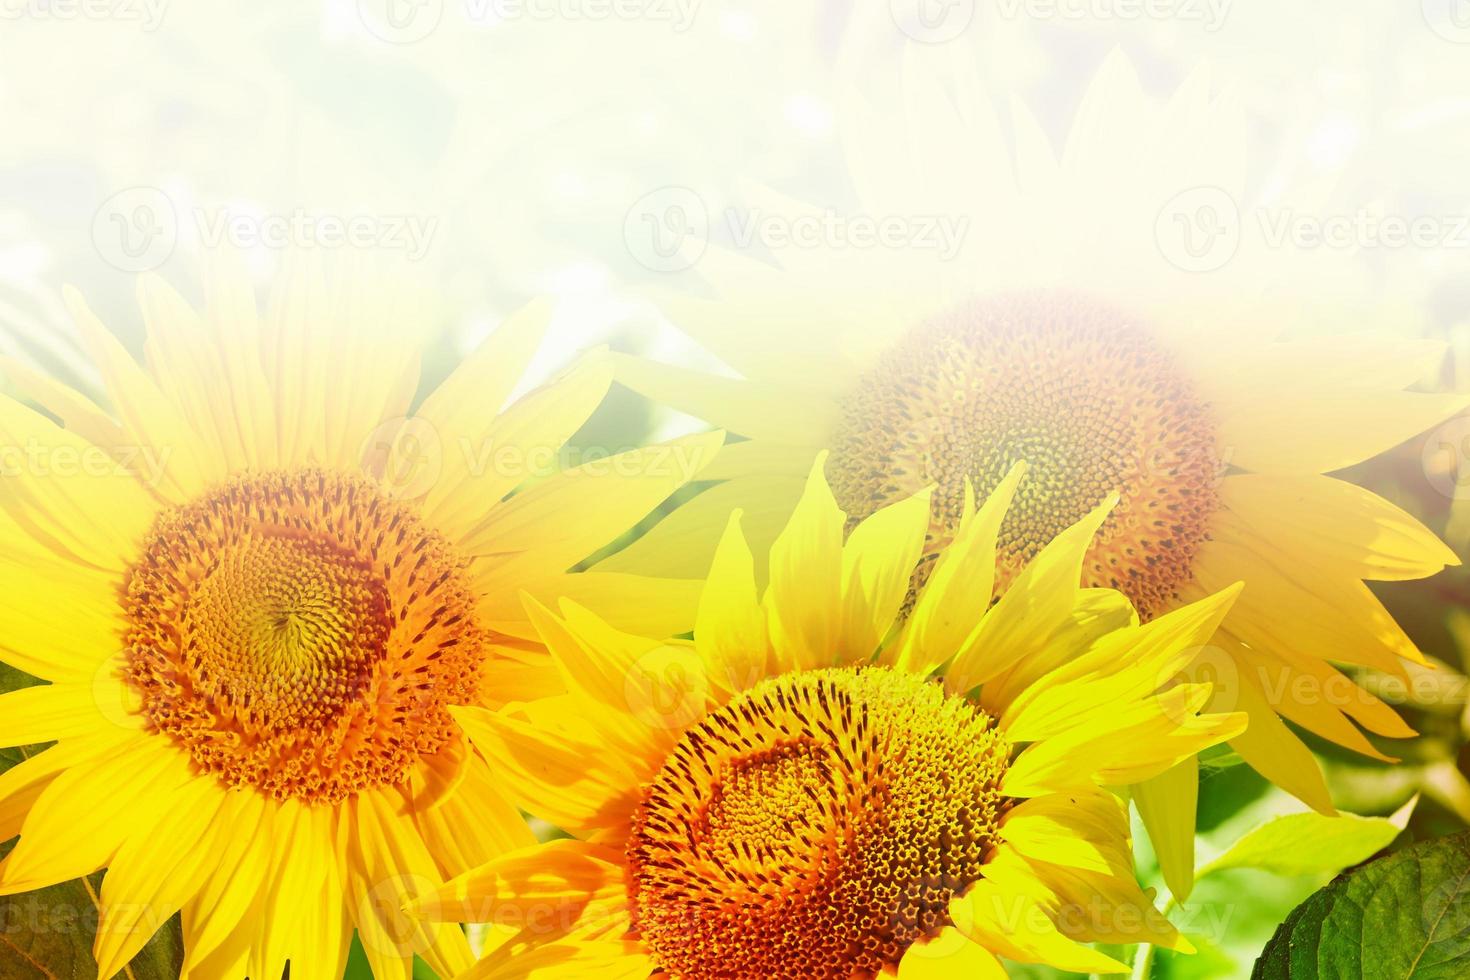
(506, 147)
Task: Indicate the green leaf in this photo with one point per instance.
(1308, 843)
(47, 934)
(358, 969)
(1400, 917)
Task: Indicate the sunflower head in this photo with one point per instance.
(852, 787)
(826, 818)
(302, 633)
(1081, 392)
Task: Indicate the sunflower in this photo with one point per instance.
(1061, 336)
(794, 793)
(257, 583)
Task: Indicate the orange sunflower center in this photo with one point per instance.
(302, 634)
(1082, 393)
(815, 827)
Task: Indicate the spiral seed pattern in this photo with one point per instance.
(1085, 395)
(815, 827)
(302, 634)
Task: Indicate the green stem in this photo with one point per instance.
(1143, 960)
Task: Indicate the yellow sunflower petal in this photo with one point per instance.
(50, 712)
(559, 879)
(563, 780)
(69, 494)
(1168, 805)
(1331, 525)
(474, 824)
(573, 960)
(1321, 615)
(1299, 430)
(463, 410)
(221, 921)
(385, 866)
(215, 381)
(143, 888)
(747, 408)
(730, 629)
(949, 956)
(804, 596)
(632, 603)
(149, 417)
(1035, 606)
(877, 565)
(551, 526)
(520, 444)
(961, 584)
(1017, 926)
(1273, 750)
(81, 819)
(1124, 668)
(680, 545)
(1073, 829)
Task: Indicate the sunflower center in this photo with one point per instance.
(301, 633)
(1082, 393)
(816, 826)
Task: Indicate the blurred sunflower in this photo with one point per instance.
(1070, 330)
(795, 794)
(258, 584)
